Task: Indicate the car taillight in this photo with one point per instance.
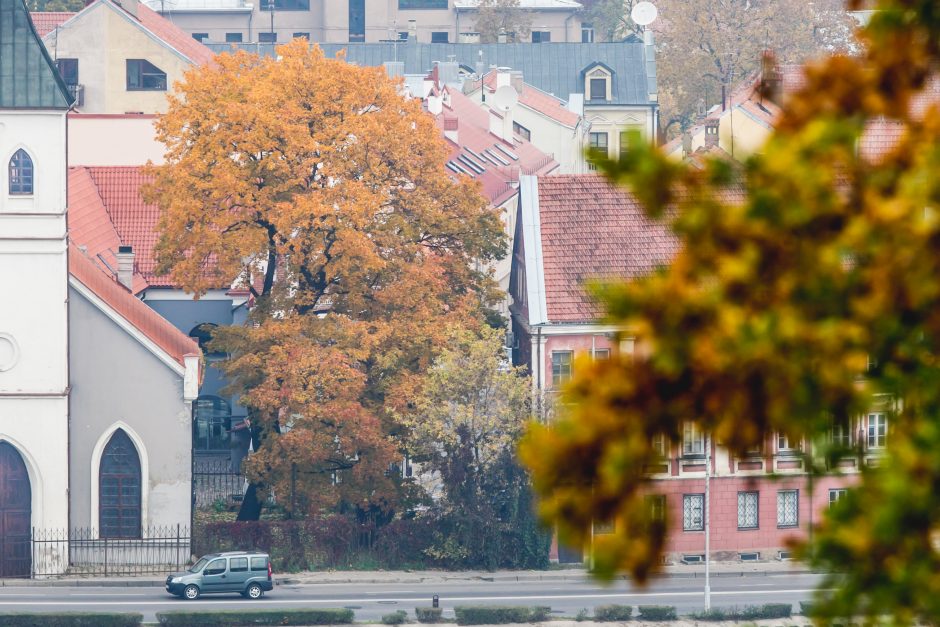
(269, 571)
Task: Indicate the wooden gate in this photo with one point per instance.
(15, 514)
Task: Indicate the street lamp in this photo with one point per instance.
(708, 515)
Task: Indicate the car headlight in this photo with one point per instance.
(175, 580)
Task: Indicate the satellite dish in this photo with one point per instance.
(505, 98)
(644, 13)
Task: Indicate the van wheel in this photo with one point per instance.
(191, 592)
(254, 591)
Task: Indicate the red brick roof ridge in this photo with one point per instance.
(151, 324)
(47, 21)
(173, 35)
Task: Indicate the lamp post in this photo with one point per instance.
(708, 512)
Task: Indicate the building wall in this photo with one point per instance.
(118, 381)
(33, 318)
(612, 119)
(328, 21)
(106, 140)
(104, 76)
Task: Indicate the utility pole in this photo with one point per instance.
(708, 515)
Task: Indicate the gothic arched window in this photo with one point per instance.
(119, 500)
(21, 173)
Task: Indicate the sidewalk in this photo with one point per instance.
(718, 569)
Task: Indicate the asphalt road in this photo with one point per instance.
(371, 601)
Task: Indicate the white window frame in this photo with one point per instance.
(693, 440)
(689, 503)
(782, 521)
(877, 431)
(836, 495)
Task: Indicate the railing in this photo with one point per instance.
(215, 482)
(78, 94)
(83, 551)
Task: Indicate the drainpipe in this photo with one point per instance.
(251, 14)
(566, 26)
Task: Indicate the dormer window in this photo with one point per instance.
(21, 173)
(598, 83)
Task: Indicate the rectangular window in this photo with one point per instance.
(238, 565)
(597, 147)
(521, 131)
(788, 508)
(841, 435)
(657, 506)
(624, 143)
(693, 440)
(747, 510)
(267, 38)
(440, 37)
(693, 508)
(604, 527)
(541, 36)
(587, 33)
(402, 35)
(68, 70)
(601, 353)
(659, 444)
(561, 367)
(877, 430)
(285, 5)
(598, 89)
(142, 75)
(259, 563)
(201, 37)
(836, 495)
(421, 4)
(301, 36)
(784, 445)
(233, 38)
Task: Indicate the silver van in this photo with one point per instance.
(245, 572)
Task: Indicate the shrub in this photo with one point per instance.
(428, 614)
(71, 619)
(715, 614)
(245, 618)
(657, 612)
(395, 618)
(613, 613)
(493, 614)
(582, 615)
(768, 610)
(539, 614)
(806, 608)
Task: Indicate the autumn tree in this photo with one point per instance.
(611, 19)
(321, 189)
(463, 424)
(703, 45)
(498, 19)
(787, 310)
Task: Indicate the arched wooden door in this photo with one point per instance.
(15, 514)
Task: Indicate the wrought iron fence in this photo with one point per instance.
(215, 481)
(83, 551)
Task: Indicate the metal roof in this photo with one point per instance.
(556, 68)
(28, 78)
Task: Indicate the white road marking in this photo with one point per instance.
(560, 597)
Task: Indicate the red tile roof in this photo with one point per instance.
(173, 35)
(538, 100)
(143, 318)
(473, 133)
(592, 229)
(47, 21)
(91, 228)
(106, 210)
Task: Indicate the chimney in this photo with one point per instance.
(496, 123)
(125, 259)
(771, 84)
(451, 127)
(711, 132)
(502, 77)
(515, 79)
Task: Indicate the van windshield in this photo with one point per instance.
(198, 565)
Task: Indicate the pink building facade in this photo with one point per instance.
(575, 228)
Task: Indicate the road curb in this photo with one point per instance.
(295, 581)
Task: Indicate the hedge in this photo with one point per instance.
(499, 615)
(751, 612)
(612, 613)
(807, 607)
(248, 618)
(71, 619)
(428, 614)
(395, 618)
(657, 612)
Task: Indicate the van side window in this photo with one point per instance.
(215, 567)
(259, 563)
(238, 565)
